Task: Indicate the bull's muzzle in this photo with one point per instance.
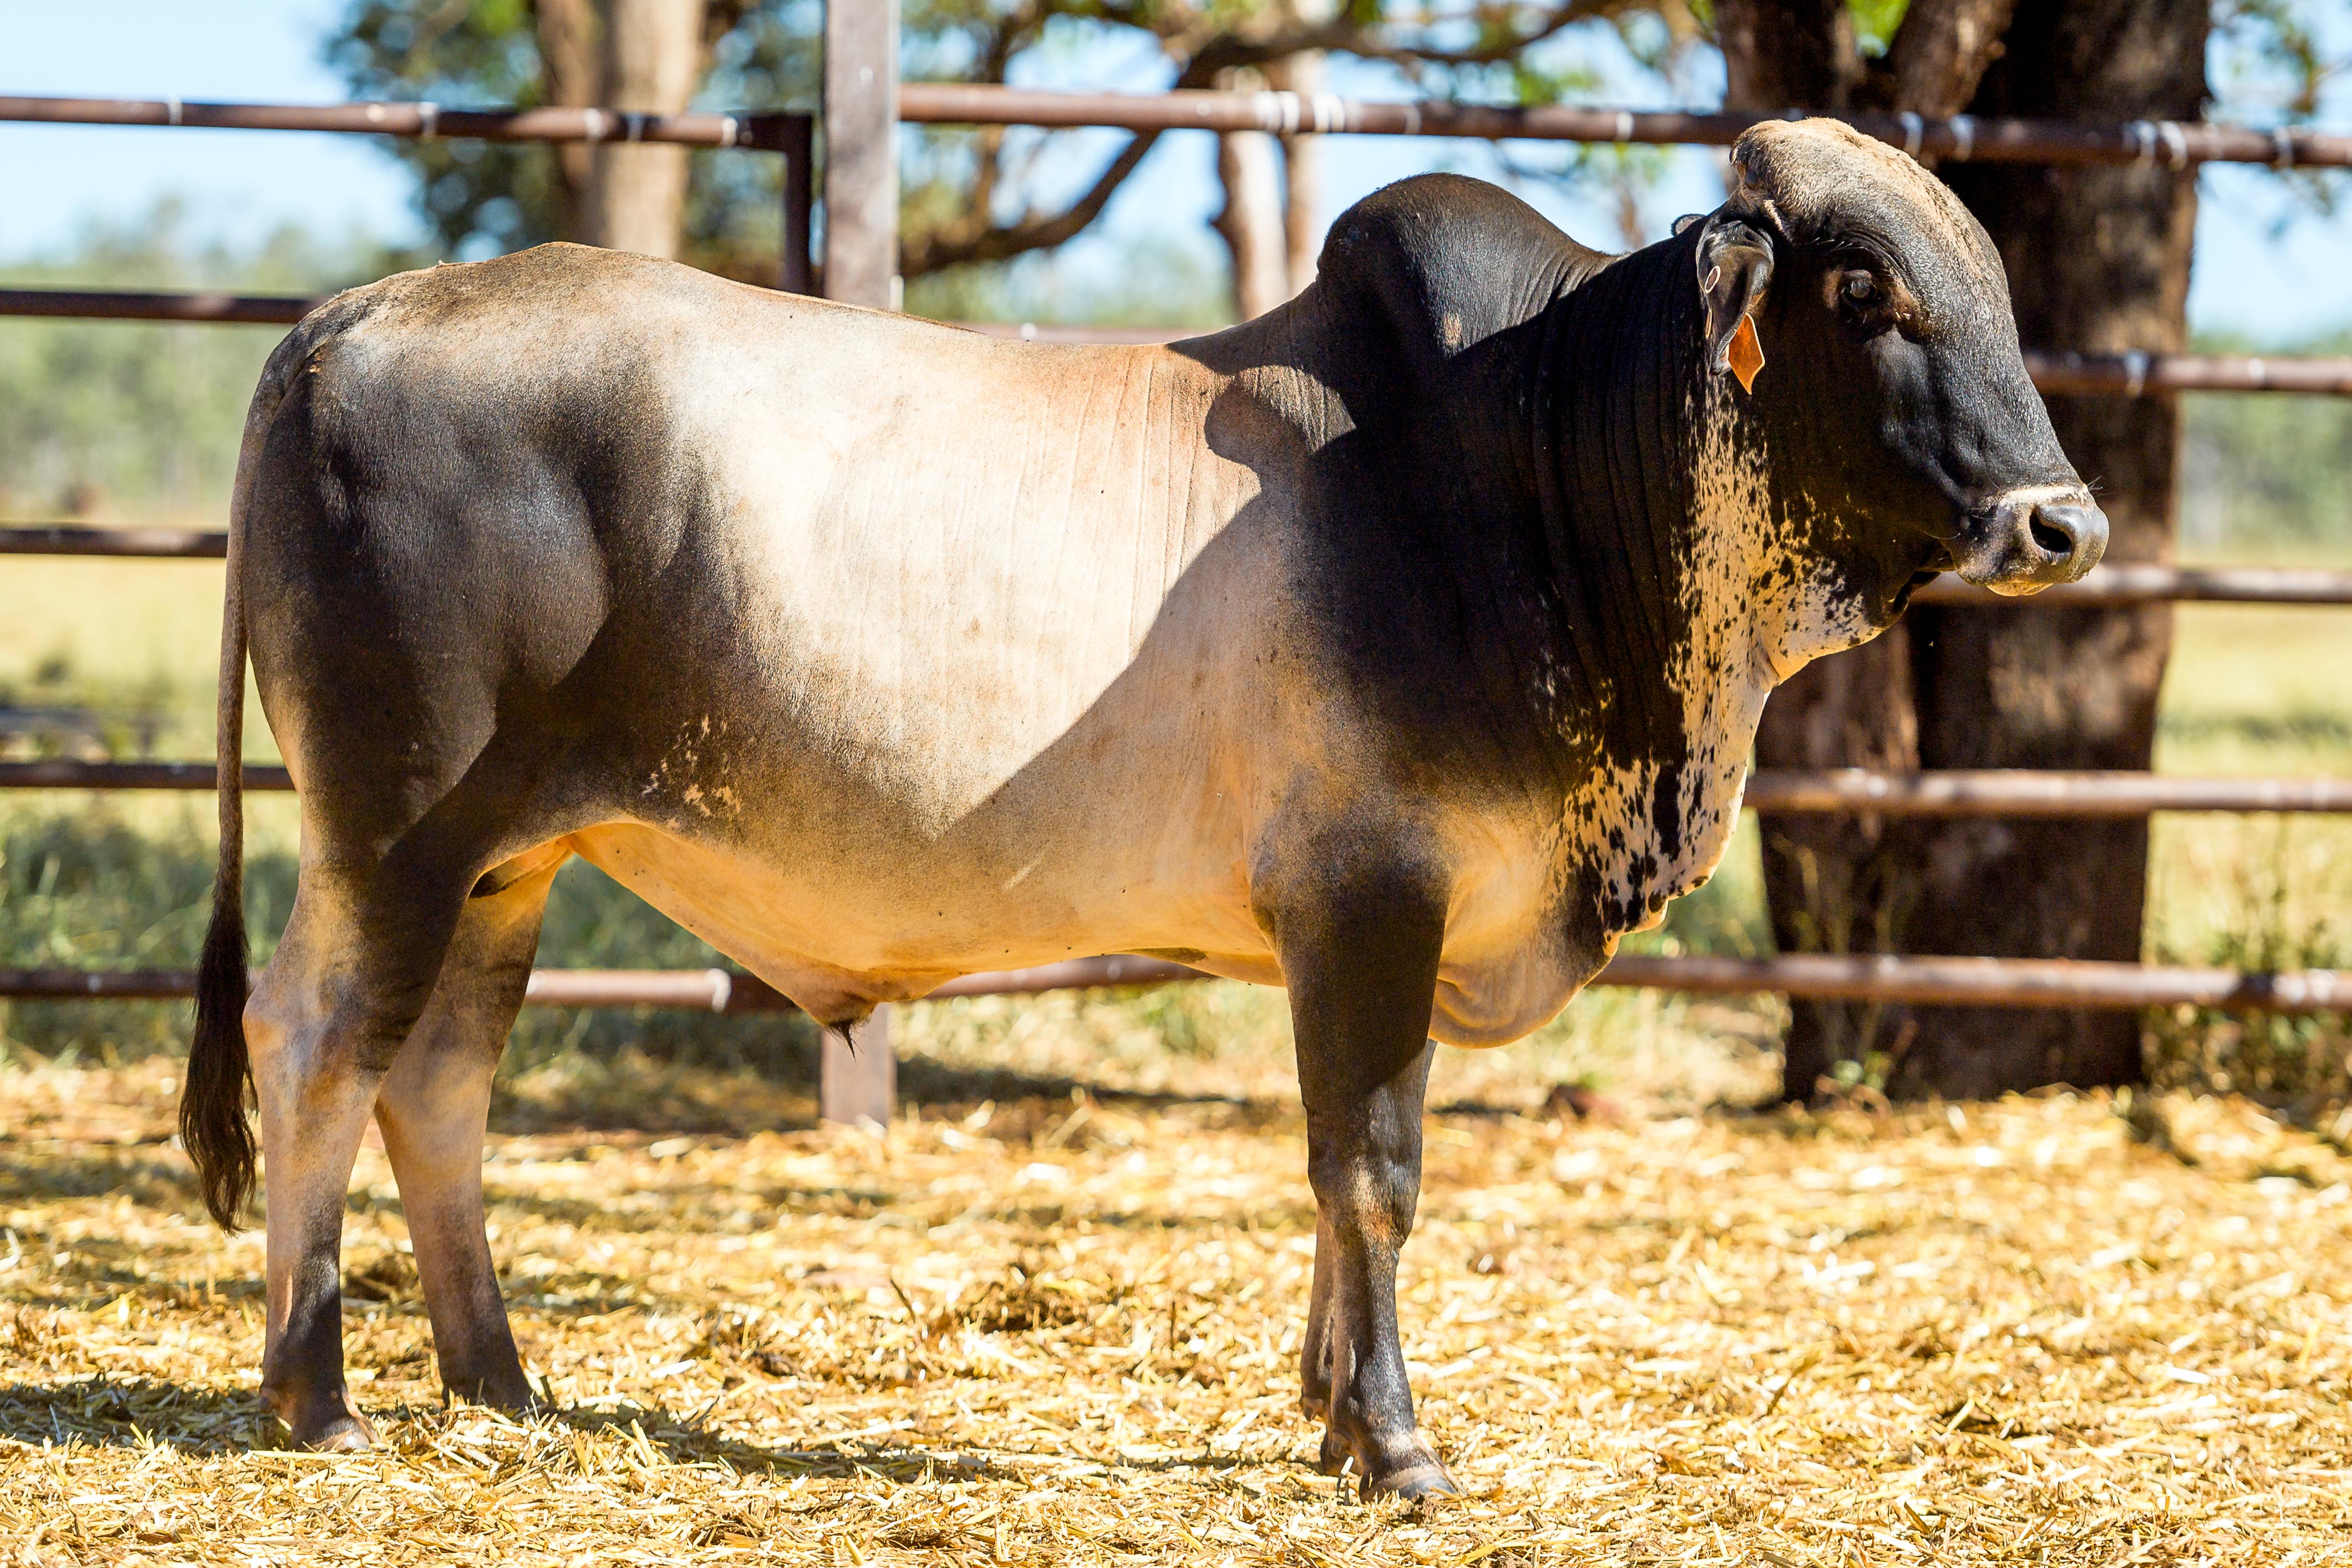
(2028, 540)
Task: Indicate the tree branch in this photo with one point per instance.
(1206, 40)
(1797, 55)
(1938, 56)
(1226, 51)
(973, 238)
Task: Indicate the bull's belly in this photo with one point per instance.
(840, 938)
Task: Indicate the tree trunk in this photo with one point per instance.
(1973, 688)
(571, 76)
(2097, 260)
(636, 192)
(1252, 222)
(1302, 171)
(1840, 883)
(1831, 884)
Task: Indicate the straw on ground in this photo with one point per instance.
(1058, 1330)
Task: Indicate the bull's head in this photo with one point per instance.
(1895, 408)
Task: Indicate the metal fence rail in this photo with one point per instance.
(1989, 982)
(2115, 375)
(2135, 583)
(790, 132)
(1950, 982)
(154, 544)
(2174, 144)
(2143, 374)
(66, 773)
(2129, 584)
(157, 305)
(764, 130)
(1994, 793)
(2028, 792)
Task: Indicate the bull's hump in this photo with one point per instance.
(1457, 257)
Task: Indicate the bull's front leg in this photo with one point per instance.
(1361, 967)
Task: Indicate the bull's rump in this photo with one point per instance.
(862, 645)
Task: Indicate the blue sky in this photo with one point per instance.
(2263, 266)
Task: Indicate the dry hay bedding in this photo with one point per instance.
(1048, 1331)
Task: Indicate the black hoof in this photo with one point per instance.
(1408, 1467)
(321, 1421)
(346, 1434)
(517, 1398)
(1426, 1478)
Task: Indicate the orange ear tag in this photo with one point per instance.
(1747, 354)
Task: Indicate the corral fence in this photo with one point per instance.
(864, 103)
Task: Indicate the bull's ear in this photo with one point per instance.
(1734, 269)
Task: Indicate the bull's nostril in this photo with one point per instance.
(2074, 535)
(2018, 544)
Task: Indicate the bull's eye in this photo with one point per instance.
(1861, 288)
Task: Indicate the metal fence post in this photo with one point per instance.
(857, 1079)
(861, 158)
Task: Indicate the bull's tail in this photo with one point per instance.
(212, 1106)
(213, 1125)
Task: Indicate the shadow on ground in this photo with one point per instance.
(134, 1413)
(646, 1096)
(146, 1413)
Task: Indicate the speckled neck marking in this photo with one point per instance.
(1754, 606)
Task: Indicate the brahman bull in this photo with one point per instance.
(1403, 647)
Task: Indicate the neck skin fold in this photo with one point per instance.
(1657, 520)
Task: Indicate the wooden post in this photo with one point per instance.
(861, 267)
(858, 1080)
(861, 151)
(797, 275)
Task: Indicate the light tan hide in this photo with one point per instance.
(1015, 610)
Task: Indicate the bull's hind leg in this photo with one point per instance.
(434, 1107)
(358, 961)
(1363, 969)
